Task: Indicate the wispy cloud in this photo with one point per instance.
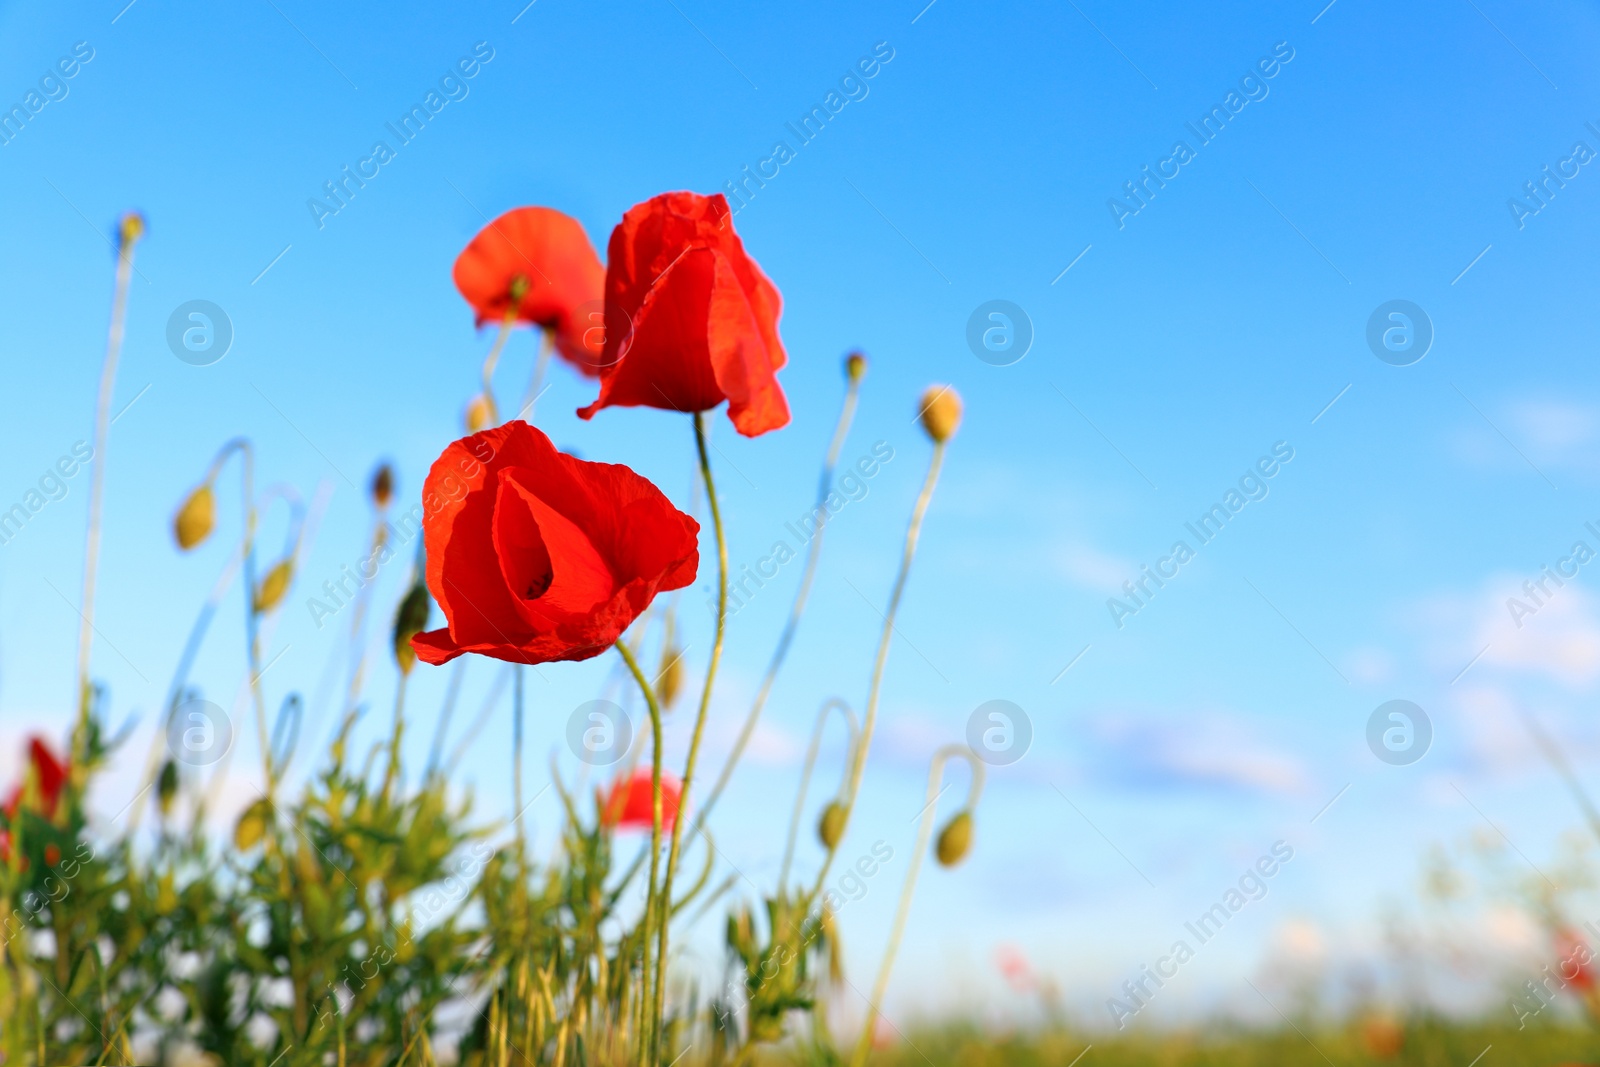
(1194, 749)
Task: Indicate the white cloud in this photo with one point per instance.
(1196, 749)
(1092, 569)
(1561, 639)
(1554, 428)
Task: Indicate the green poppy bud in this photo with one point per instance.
(940, 412)
(195, 519)
(831, 826)
(383, 486)
(955, 840)
(274, 586)
(855, 366)
(410, 619)
(167, 786)
(252, 825)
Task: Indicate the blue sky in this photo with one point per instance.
(1224, 317)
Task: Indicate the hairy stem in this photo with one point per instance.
(97, 478)
(647, 1029)
(492, 359)
(786, 637)
(858, 763)
(705, 701)
(805, 776)
(897, 929)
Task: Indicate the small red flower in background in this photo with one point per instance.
(50, 775)
(631, 804)
(536, 556)
(1575, 961)
(549, 254)
(1014, 967)
(700, 320)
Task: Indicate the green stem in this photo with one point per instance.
(859, 763)
(805, 776)
(786, 638)
(541, 363)
(649, 1021)
(91, 552)
(705, 701)
(516, 764)
(924, 831)
(392, 773)
(492, 359)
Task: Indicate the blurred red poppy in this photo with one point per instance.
(631, 804)
(49, 776)
(691, 320)
(547, 256)
(536, 556)
(1575, 960)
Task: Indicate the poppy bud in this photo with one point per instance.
(130, 228)
(830, 828)
(273, 586)
(252, 825)
(195, 519)
(383, 486)
(167, 786)
(855, 366)
(410, 618)
(955, 840)
(670, 680)
(940, 412)
(477, 414)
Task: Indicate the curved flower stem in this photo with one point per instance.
(493, 358)
(805, 775)
(786, 638)
(705, 876)
(102, 430)
(924, 831)
(252, 618)
(647, 1028)
(859, 763)
(247, 551)
(705, 698)
(191, 649)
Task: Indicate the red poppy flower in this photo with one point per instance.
(549, 254)
(51, 775)
(631, 804)
(699, 321)
(536, 556)
(1574, 961)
